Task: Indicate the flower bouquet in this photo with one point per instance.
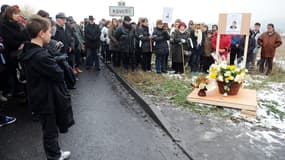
(201, 83)
(229, 77)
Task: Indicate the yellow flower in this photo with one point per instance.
(231, 67)
(213, 75)
(229, 78)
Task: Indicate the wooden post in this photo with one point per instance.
(182, 52)
(218, 46)
(245, 50)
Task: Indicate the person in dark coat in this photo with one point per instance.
(65, 34)
(160, 37)
(125, 35)
(138, 51)
(250, 49)
(92, 39)
(207, 60)
(180, 39)
(145, 44)
(14, 35)
(198, 40)
(47, 96)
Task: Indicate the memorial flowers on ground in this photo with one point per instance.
(228, 75)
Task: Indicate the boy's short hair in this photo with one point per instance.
(35, 24)
(257, 24)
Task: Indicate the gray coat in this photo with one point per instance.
(114, 44)
(177, 46)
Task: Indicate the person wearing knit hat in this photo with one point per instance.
(182, 24)
(181, 45)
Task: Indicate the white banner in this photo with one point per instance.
(167, 15)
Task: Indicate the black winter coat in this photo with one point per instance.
(45, 85)
(66, 36)
(143, 35)
(126, 37)
(92, 36)
(178, 45)
(14, 34)
(160, 39)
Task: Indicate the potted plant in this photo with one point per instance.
(229, 78)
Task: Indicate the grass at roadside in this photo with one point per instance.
(173, 90)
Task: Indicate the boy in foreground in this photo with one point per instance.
(47, 96)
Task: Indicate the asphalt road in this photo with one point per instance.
(110, 125)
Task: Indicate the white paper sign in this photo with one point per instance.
(234, 21)
(167, 15)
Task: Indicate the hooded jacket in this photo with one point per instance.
(45, 85)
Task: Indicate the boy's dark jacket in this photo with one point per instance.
(45, 85)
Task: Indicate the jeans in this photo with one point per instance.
(161, 63)
(92, 54)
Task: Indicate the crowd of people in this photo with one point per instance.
(40, 59)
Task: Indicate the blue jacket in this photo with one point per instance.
(235, 40)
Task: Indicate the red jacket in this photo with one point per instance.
(225, 43)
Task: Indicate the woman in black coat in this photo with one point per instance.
(14, 35)
(145, 45)
(160, 37)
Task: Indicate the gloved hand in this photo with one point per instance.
(183, 41)
(154, 36)
(59, 45)
(61, 58)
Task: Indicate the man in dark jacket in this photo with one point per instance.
(45, 87)
(92, 39)
(63, 33)
(125, 35)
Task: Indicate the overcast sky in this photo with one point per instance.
(197, 10)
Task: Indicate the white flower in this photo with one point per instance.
(226, 94)
(238, 78)
(220, 78)
(227, 74)
(202, 85)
